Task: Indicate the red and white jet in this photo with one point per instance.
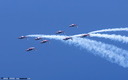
(73, 25)
(58, 32)
(31, 48)
(38, 38)
(22, 37)
(67, 38)
(85, 35)
(44, 41)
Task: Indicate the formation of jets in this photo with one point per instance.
(47, 41)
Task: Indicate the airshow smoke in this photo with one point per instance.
(110, 52)
(119, 38)
(108, 30)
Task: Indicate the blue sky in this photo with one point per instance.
(58, 61)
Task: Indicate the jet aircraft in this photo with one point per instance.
(73, 25)
(38, 38)
(44, 41)
(58, 32)
(85, 35)
(31, 48)
(67, 38)
(22, 37)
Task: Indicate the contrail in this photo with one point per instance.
(108, 30)
(107, 51)
(56, 37)
(119, 38)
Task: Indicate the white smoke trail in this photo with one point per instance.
(109, 52)
(108, 30)
(119, 38)
(56, 37)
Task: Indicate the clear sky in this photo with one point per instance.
(58, 61)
